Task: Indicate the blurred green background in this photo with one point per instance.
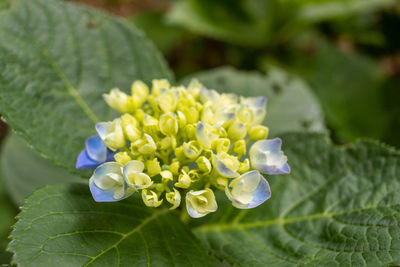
(348, 51)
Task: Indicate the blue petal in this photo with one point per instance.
(260, 195)
(284, 169)
(272, 145)
(100, 195)
(258, 156)
(96, 148)
(103, 128)
(84, 162)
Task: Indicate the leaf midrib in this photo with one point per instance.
(127, 235)
(279, 221)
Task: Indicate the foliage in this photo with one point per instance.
(338, 207)
(258, 23)
(62, 76)
(36, 171)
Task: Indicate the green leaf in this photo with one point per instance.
(62, 223)
(262, 22)
(347, 84)
(291, 105)
(7, 214)
(338, 207)
(164, 36)
(24, 170)
(318, 10)
(57, 59)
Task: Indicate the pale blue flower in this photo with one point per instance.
(248, 190)
(107, 183)
(267, 157)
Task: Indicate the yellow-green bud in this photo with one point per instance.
(158, 85)
(191, 114)
(237, 130)
(166, 176)
(258, 132)
(204, 165)
(174, 167)
(194, 88)
(222, 144)
(189, 132)
(244, 166)
(122, 158)
(174, 198)
(146, 145)
(129, 124)
(168, 124)
(166, 101)
(181, 120)
(245, 115)
(150, 198)
(192, 149)
(140, 92)
(119, 101)
(184, 180)
(168, 142)
(150, 125)
(240, 147)
(153, 167)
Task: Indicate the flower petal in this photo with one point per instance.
(99, 194)
(96, 148)
(103, 129)
(249, 190)
(267, 157)
(108, 175)
(134, 165)
(84, 162)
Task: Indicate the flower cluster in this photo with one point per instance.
(177, 141)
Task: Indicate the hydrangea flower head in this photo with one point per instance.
(183, 143)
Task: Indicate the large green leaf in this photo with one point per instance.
(62, 224)
(57, 59)
(339, 207)
(260, 22)
(291, 105)
(347, 84)
(24, 170)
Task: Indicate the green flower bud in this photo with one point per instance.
(174, 198)
(119, 101)
(140, 92)
(168, 124)
(122, 158)
(258, 132)
(204, 165)
(184, 180)
(153, 167)
(150, 198)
